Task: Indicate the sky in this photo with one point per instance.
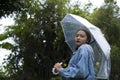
(96, 3)
(9, 21)
(4, 22)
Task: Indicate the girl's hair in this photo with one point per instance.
(88, 35)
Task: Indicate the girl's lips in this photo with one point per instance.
(78, 41)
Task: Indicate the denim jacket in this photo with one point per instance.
(81, 65)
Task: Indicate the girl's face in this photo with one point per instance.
(80, 38)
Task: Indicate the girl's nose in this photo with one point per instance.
(78, 37)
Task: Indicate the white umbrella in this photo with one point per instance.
(70, 24)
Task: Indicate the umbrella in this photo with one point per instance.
(72, 23)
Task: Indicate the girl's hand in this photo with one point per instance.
(58, 66)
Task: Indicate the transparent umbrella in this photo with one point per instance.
(70, 24)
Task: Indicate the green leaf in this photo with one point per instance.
(3, 36)
(6, 45)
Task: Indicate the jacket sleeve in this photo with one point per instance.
(79, 65)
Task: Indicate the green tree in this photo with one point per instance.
(11, 6)
(37, 34)
(80, 9)
(2, 74)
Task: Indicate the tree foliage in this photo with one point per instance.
(9, 6)
(37, 34)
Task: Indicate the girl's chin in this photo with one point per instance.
(78, 45)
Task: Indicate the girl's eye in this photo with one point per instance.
(76, 35)
(81, 36)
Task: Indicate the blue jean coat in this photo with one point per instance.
(81, 65)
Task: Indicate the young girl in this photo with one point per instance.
(80, 66)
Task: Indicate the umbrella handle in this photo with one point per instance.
(53, 71)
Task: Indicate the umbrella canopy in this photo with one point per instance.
(71, 24)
